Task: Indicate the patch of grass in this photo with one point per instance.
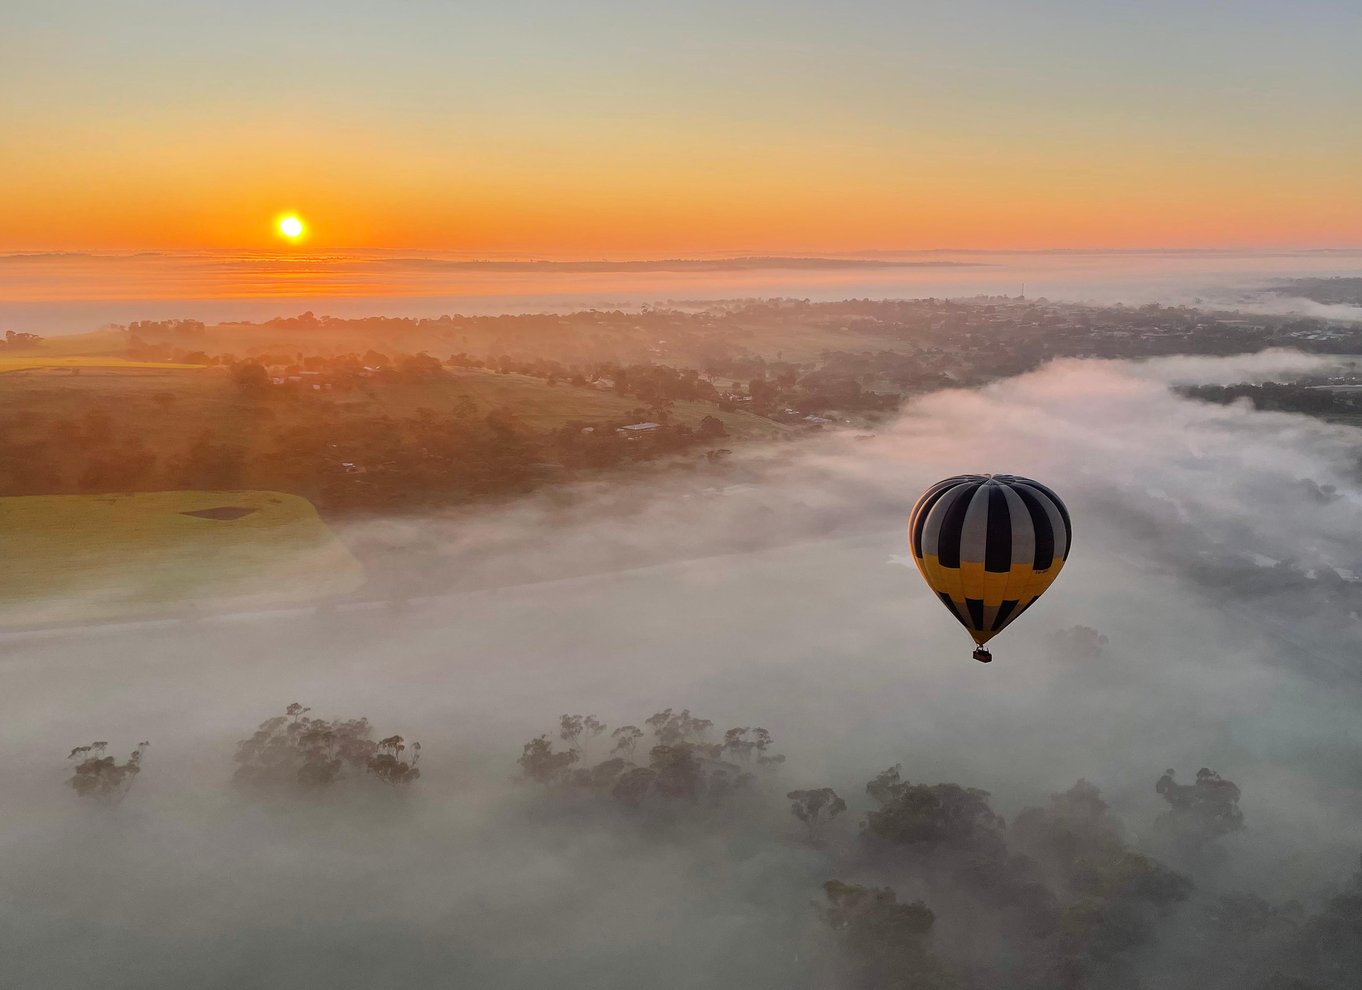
(70, 558)
(197, 399)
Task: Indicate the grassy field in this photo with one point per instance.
(166, 407)
(71, 558)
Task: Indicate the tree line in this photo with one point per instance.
(1059, 897)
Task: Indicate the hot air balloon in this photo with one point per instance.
(989, 545)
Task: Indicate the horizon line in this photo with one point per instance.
(503, 257)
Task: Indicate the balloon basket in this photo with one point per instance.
(983, 656)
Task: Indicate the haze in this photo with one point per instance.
(455, 466)
(785, 601)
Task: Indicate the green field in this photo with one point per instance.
(72, 558)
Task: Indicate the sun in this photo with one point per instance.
(291, 227)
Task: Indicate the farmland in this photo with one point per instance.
(87, 557)
(9, 365)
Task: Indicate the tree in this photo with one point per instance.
(1201, 812)
(711, 427)
(931, 814)
(626, 738)
(678, 771)
(815, 806)
(1074, 825)
(388, 764)
(1329, 949)
(884, 944)
(670, 728)
(682, 768)
(634, 785)
(538, 761)
(18, 339)
(578, 731)
(126, 468)
(250, 376)
(295, 752)
(763, 393)
(208, 464)
(1108, 895)
(420, 366)
(101, 776)
(737, 744)
(603, 776)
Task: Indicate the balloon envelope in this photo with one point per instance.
(989, 545)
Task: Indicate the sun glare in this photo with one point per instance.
(291, 227)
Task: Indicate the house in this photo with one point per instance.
(637, 428)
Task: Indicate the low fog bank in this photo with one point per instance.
(1217, 550)
(74, 293)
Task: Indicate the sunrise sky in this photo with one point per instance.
(623, 129)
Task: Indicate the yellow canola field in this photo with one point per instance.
(33, 362)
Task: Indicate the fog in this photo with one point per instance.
(70, 293)
(1217, 548)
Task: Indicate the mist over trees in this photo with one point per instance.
(682, 765)
(1060, 896)
(1153, 787)
(294, 751)
(99, 775)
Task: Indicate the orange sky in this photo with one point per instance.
(604, 136)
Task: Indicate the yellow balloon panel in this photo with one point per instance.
(988, 546)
